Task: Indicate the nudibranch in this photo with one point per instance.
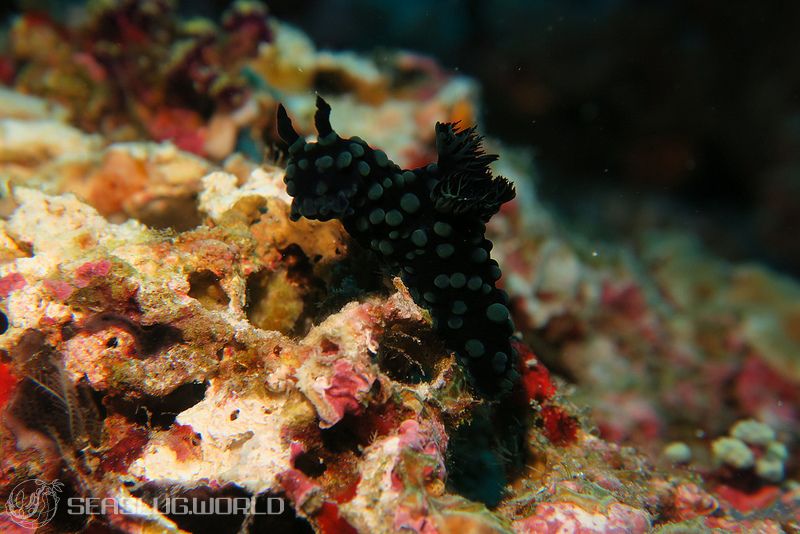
(427, 223)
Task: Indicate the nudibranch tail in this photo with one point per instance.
(428, 223)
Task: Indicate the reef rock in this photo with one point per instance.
(168, 331)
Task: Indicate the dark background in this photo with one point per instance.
(642, 113)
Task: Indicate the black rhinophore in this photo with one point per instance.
(428, 223)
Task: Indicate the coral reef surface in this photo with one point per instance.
(171, 329)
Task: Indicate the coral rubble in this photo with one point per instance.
(170, 326)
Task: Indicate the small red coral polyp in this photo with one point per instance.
(348, 492)
(536, 380)
(559, 427)
(537, 383)
(330, 522)
(8, 382)
(747, 502)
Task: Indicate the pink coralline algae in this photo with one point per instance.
(59, 289)
(91, 270)
(11, 282)
(689, 502)
(298, 487)
(556, 518)
(345, 392)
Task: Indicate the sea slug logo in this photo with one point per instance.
(33, 503)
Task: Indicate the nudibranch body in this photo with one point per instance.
(428, 223)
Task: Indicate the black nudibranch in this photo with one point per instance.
(427, 223)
